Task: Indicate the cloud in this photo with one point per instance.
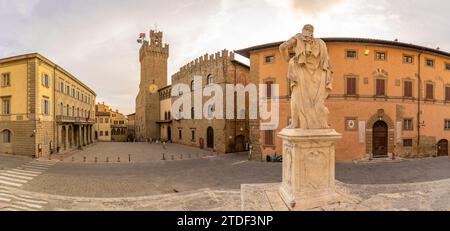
(314, 7)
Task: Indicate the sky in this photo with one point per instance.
(95, 40)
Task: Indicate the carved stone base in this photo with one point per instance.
(308, 168)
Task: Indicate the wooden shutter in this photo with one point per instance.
(351, 86)
(268, 137)
(429, 93)
(408, 89)
(269, 88)
(380, 87)
(447, 93)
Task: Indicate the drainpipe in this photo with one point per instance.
(419, 123)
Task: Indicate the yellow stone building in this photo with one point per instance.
(110, 125)
(44, 108)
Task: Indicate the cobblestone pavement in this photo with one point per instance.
(207, 182)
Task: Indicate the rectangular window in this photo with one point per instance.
(447, 66)
(67, 90)
(380, 56)
(73, 93)
(45, 80)
(408, 59)
(268, 138)
(407, 91)
(429, 63)
(407, 143)
(351, 86)
(106, 133)
(380, 87)
(351, 54)
(101, 133)
(429, 91)
(101, 120)
(270, 59)
(408, 125)
(447, 125)
(6, 80)
(447, 93)
(180, 134)
(46, 107)
(269, 88)
(193, 135)
(6, 106)
(61, 87)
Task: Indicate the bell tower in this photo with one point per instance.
(153, 57)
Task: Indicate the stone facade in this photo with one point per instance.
(223, 136)
(354, 113)
(153, 58)
(110, 125)
(44, 108)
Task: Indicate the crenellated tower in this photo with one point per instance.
(153, 57)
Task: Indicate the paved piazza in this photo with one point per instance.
(200, 180)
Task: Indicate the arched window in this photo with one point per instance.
(192, 113)
(68, 110)
(168, 115)
(192, 85)
(73, 110)
(61, 109)
(210, 80)
(78, 112)
(7, 136)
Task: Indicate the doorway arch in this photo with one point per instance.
(380, 139)
(442, 148)
(169, 133)
(210, 138)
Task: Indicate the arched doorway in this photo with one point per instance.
(63, 137)
(380, 139)
(169, 133)
(442, 148)
(210, 138)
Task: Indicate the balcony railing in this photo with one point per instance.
(72, 119)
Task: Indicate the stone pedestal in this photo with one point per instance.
(308, 168)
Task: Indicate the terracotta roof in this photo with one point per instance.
(246, 52)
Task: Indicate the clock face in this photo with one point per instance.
(153, 88)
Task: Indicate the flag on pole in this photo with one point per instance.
(141, 38)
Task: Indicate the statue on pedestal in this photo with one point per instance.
(310, 74)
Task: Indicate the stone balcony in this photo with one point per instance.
(72, 119)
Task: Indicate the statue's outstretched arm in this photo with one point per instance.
(284, 48)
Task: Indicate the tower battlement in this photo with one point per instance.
(155, 47)
(207, 59)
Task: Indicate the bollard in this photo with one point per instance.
(96, 160)
(107, 159)
(181, 156)
(118, 159)
(129, 158)
(173, 158)
(73, 159)
(164, 157)
(84, 159)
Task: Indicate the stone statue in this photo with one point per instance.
(310, 74)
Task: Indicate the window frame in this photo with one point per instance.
(427, 83)
(407, 55)
(272, 61)
(404, 127)
(381, 52)
(8, 100)
(404, 88)
(346, 89)
(7, 136)
(347, 51)
(6, 76)
(376, 87)
(432, 60)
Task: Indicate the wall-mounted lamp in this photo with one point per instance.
(367, 52)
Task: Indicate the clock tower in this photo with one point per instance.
(153, 57)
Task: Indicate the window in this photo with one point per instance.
(269, 59)
(73, 110)
(447, 125)
(447, 93)
(67, 90)
(169, 116)
(106, 120)
(380, 56)
(45, 80)
(407, 89)
(6, 106)
(101, 120)
(180, 134)
(429, 91)
(268, 138)
(46, 107)
(61, 87)
(407, 143)
(106, 133)
(61, 109)
(192, 113)
(210, 80)
(269, 88)
(351, 54)
(73, 93)
(7, 136)
(380, 87)
(351, 86)
(193, 135)
(429, 62)
(408, 125)
(101, 133)
(192, 85)
(447, 66)
(408, 59)
(6, 80)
